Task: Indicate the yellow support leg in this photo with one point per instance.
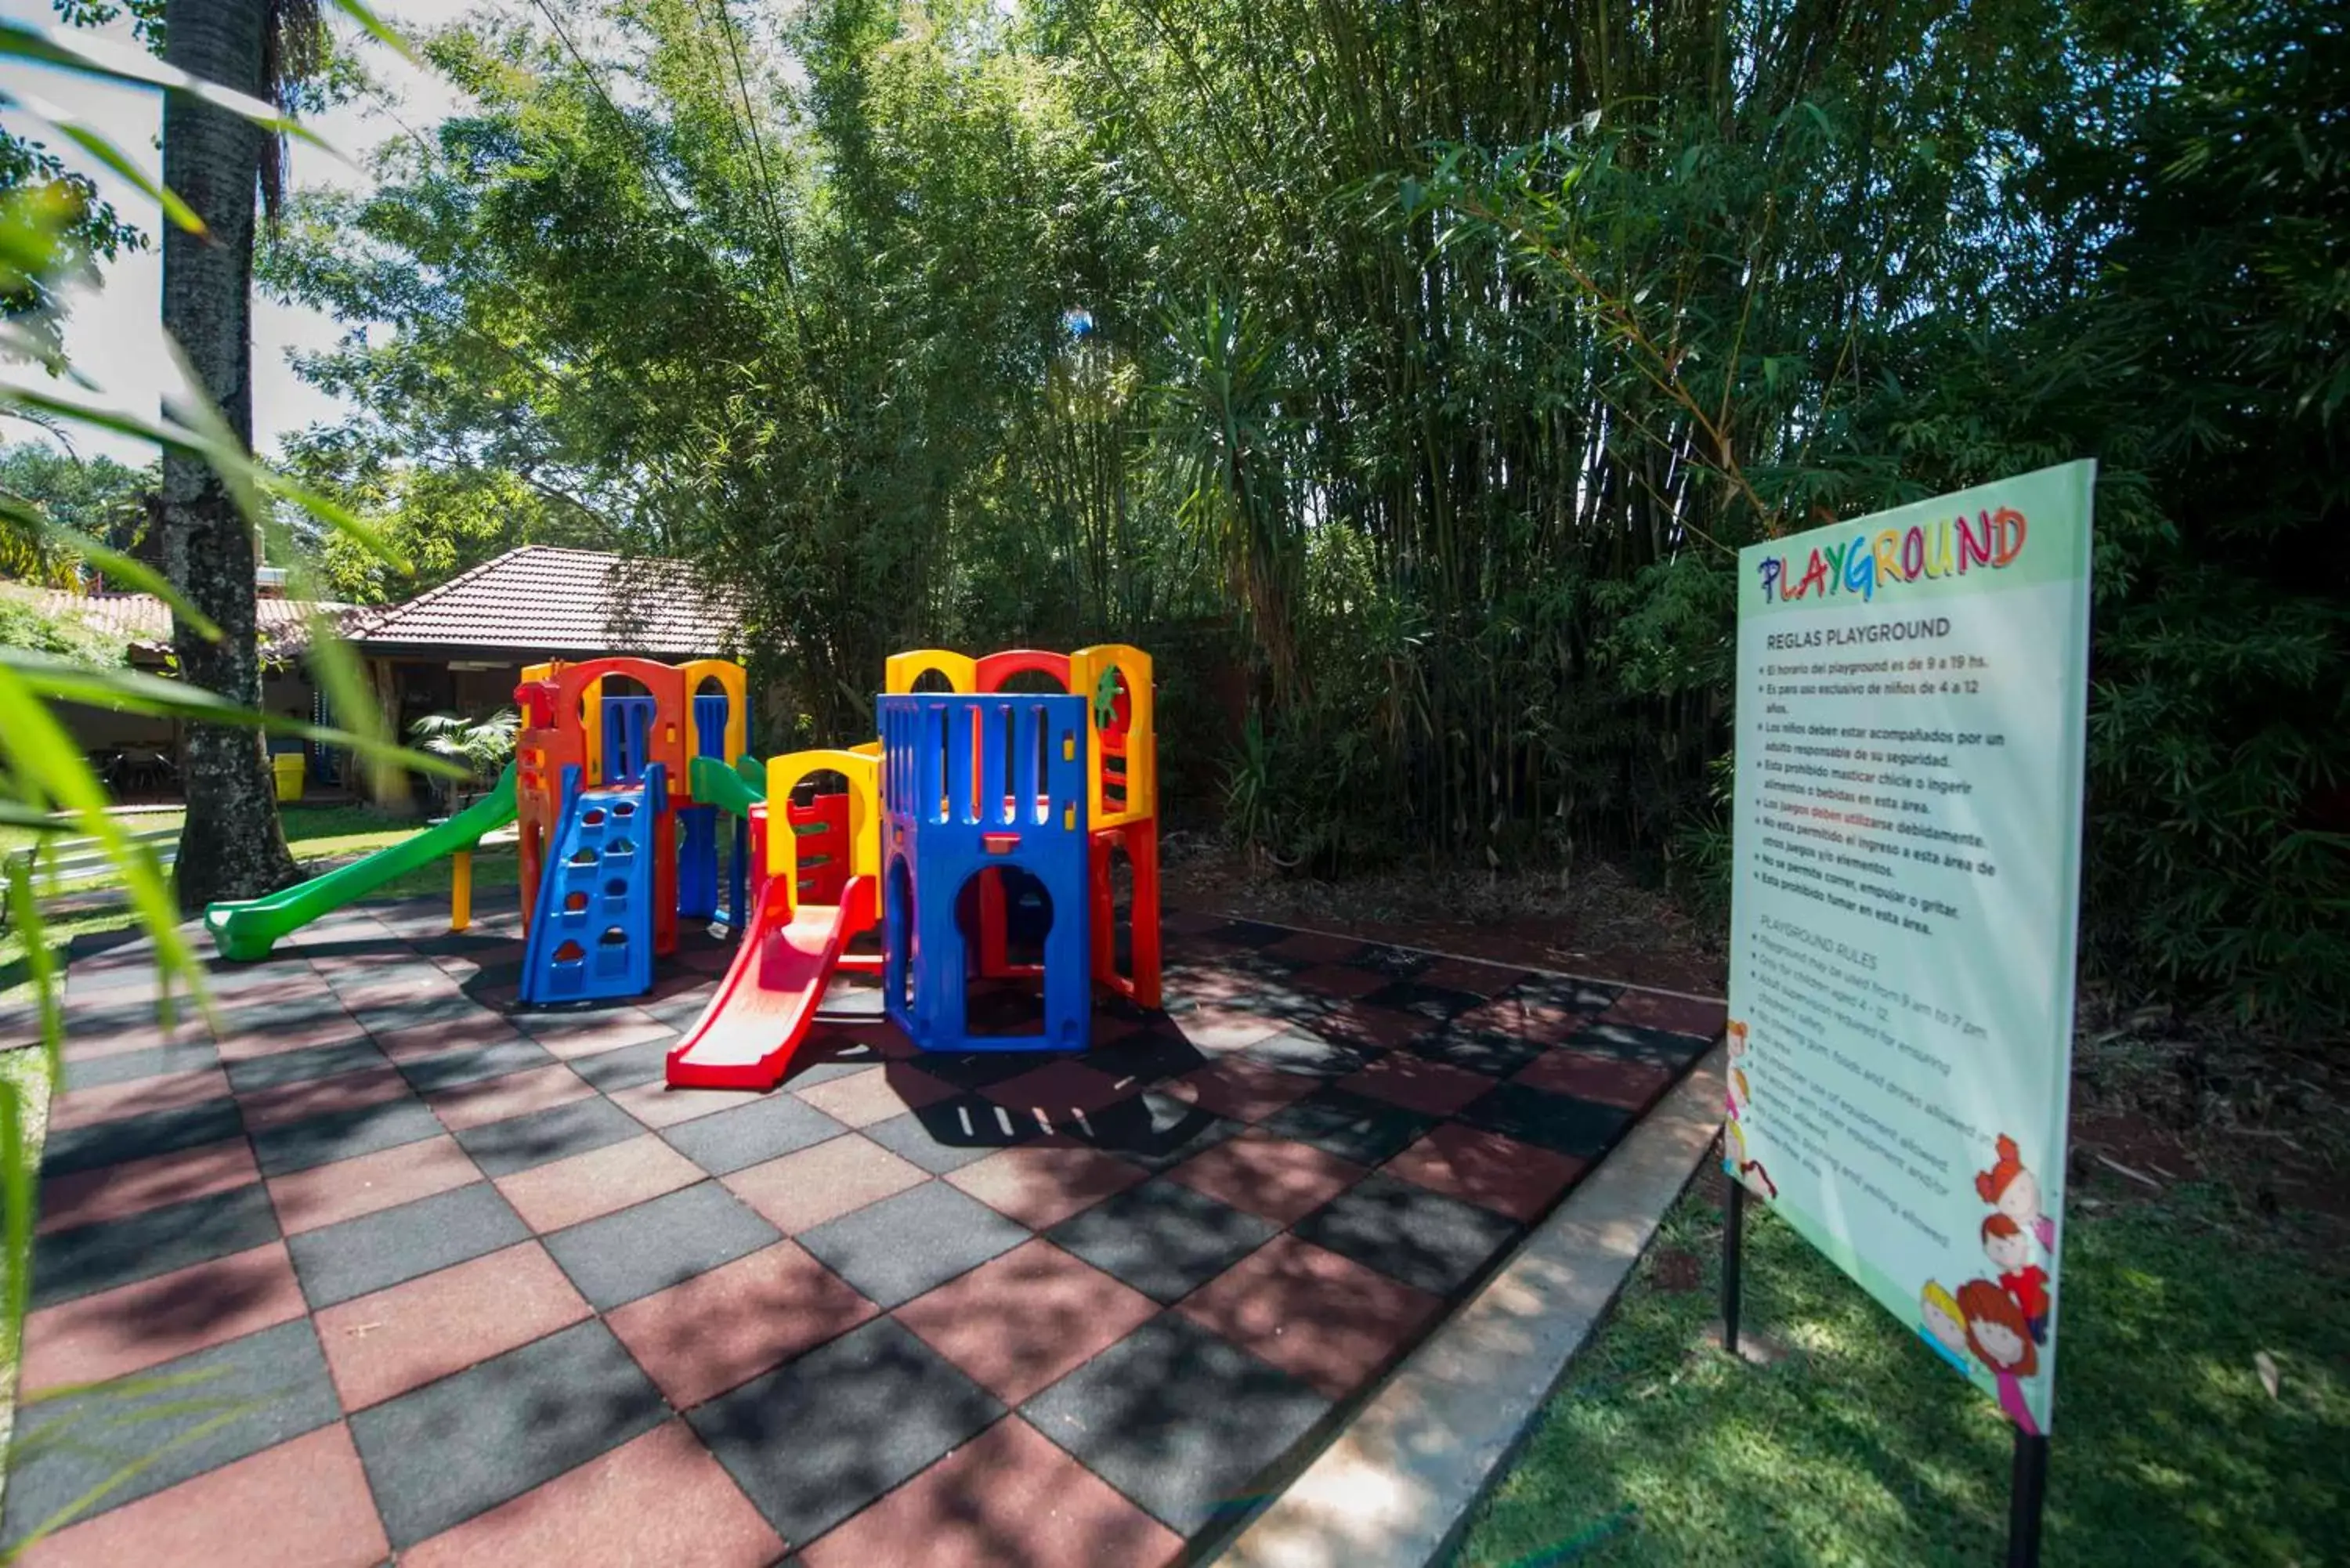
(461, 890)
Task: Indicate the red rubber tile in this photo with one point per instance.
(1315, 947)
(1241, 1089)
(514, 1094)
(802, 1190)
(1041, 1187)
(1365, 1023)
(1610, 1082)
(121, 1042)
(656, 1501)
(1274, 1178)
(1007, 1499)
(1058, 1097)
(145, 1323)
(365, 992)
(718, 1330)
(271, 1040)
(302, 1505)
(1540, 1024)
(1018, 1322)
(592, 1035)
(1324, 1318)
(1214, 1028)
(137, 1097)
(1476, 978)
(864, 1099)
(383, 1345)
(1681, 1014)
(1417, 1083)
(284, 1103)
(113, 1191)
(325, 1194)
(1488, 1169)
(601, 1182)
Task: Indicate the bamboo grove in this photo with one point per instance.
(1410, 372)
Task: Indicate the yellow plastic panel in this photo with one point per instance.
(863, 772)
(903, 670)
(735, 684)
(1086, 665)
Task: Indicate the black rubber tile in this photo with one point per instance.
(437, 1457)
(821, 1436)
(758, 1130)
(500, 1148)
(660, 1244)
(1352, 1127)
(1497, 1055)
(70, 1263)
(895, 1250)
(135, 1137)
(1564, 992)
(343, 1135)
(1149, 1056)
(1156, 1131)
(297, 1012)
(681, 1010)
(1636, 1043)
(1163, 1238)
(1247, 934)
(1399, 963)
(305, 1067)
(271, 1387)
(374, 1252)
(476, 1064)
(96, 1021)
(185, 1056)
(978, 1069)
(951, 1133)
(627, 1067)
(1309, 1055)
(1406, 1233)
(448, 1008)
(1178, 1420)
(1584, 1128)
(1437, 1003)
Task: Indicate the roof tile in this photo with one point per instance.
(541, 599)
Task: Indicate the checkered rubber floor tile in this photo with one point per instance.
(399, 1268)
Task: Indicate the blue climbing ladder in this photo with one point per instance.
(592, 936)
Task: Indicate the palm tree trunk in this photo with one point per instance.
(232, 846)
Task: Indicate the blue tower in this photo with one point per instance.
(970, 785)
(697, 853)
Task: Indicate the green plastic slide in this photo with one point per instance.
(246, 931)
(736, 789)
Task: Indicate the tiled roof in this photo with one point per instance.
(144, 621)
(540, 599)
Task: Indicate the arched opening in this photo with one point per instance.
(711, 707)
(818, 814)
(1034, 681)
(933, 681)
(1006, 999)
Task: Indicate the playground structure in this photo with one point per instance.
(978, 840)
(995, 819)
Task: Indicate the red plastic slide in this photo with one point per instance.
(761, 1012)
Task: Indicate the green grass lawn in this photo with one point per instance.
(1859, 1447)
(318, 834)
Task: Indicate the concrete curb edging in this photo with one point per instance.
(1396, 1487)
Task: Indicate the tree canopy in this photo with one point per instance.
(1423, 367)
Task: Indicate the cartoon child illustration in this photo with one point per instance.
(1995, 1332)
(1941, 1325)
(1741, 1097)
(2010, 1251)
(1737, 1031)
(1749, 1171)
(2015, 1192)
